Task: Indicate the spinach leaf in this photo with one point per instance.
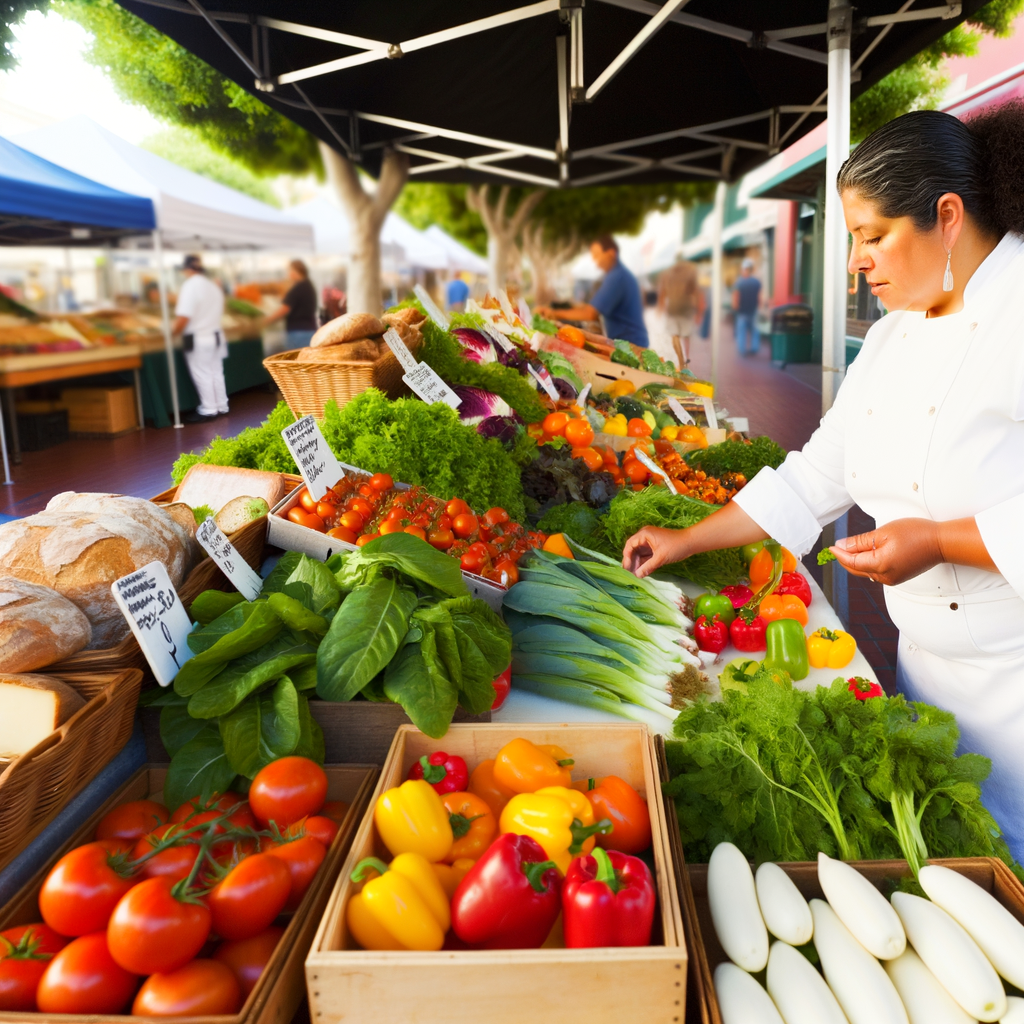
(326, 595)
(199, 769)
(409, 556)
(228, 621)
(262, 728)
(363, 637)
(486, 628)
(278, 576)
(416, 679)
(177, 726)
(160, 697)
(435, 618)
(296, 616)
(304, 677)
(311, 736)
(211, 604)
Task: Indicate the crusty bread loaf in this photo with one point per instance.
(215, 486)
(364, 351)
(350, 327)
(38, 626)
(31, 707)
(80, 554)
(182, 514)
(409, 333)
(409, 315)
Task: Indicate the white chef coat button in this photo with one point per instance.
(931, 410)
(869, 412)
(915, 487)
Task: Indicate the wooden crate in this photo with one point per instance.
(991, 874)
(544, 986)
(280, 990)
(100, 410)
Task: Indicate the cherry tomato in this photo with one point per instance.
(336, 810)
(442, 539)
(250, 896)
(132, 820)
(495, 516)
(84, 978)
(199, 989)
(381, 482)
(636, 471)
(151, 931)
(502, 688)
(421, 519)
(416, 531)
(303, 858)
(554, 424)
(306, 500)
(340, 533)
(391, 526)
(318, 826)
(478, 547)
(247, 958)
(352, 521)
(366, 538)
(81, 891)
(579, 433)
(326, 511)
(314, 522)
(362, 506)
(471, 561)
(456, 507)
(298, 515)
(195, 812)
(484, 533)
(287, 789)
(506, 565)
(174, 863)
(444, 521)
(591, 459)
(25, 953)
(367, 491)
(465, 524)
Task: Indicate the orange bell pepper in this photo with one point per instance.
(449, 875)
(483, 784)
(637, 427)
(783, 606)
(473, 825)
(525, 767)
(761, 566)
(615, 799)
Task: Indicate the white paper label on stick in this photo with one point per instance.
(151, 605)
(581, 399)
(431, 307)
(506, 306)
(709, 411)
(543, 379)
(318, 465)
(524, 312)
(245, 579)
(429, 387)
(497, 337)
(678, 411)
(394, 342)
(646, 460)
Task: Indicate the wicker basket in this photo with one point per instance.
(35, 786)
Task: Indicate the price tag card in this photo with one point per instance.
(524, 312)
(497, 337)
(400, 349)
(581, 399)
(318, 465)
(155, 614)
(709, 411)
(431, 307)
(739, 423)
(647, 461)
(678, 411)
(543, 379)
(243, 576)
(429, 387)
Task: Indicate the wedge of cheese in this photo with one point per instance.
(31, 707)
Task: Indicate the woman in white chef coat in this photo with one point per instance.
(927, 430)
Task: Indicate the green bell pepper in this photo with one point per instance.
(787, 648)
(749, 550)
(712, 605)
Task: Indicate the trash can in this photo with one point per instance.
(792, 326)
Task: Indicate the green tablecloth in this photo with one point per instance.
(243, 368)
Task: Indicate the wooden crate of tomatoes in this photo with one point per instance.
(201, 911)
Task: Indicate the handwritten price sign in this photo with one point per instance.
(243, 577)
(318, 465)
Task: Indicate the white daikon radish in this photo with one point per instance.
(734, 910)
(952, 956)
(741, 999)
(862, 908)
(999, 934)
(927, 1002)
(1015, 1013)
(798, 990)
(856, 978)
(783, 906)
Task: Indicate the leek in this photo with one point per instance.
(576, 692)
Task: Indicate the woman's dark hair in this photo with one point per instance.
(905, 166)
(300, 268)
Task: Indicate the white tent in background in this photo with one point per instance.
(419, 249)
(192, 212)
(459, 257)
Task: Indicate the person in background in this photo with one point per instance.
(617, 300)
(679, 302)
(456, 294)
(298, 307)
(746, 300)
(199, 316)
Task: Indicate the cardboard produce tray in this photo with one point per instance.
(543, 986)
(279, 991)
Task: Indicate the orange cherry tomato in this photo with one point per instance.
(495, 516)
(306, 500)
(391, 526)
(442, 539)
(416, 531)
(297, 514)
(326, 511)
(579, 433)
(591, 459)
(366, 538)
(367, 491)
(554, 424)
(362, 506)
(637, 427)
(381, 482)
(314, 522)
(465, 524)
(397, 513)
(636, 472)
(457, 507)
(352, 521)
(340, 533)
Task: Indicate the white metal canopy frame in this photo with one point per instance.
(717, 150)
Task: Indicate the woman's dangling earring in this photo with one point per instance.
(947, 277)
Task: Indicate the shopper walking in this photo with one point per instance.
(456, 294)
(298, 308)
(927, 430)
(746, 300)
(679, 303)
(199, 316)
(617, 300)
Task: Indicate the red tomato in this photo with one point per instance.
(366, 538)
(416, 531)
(465, 524)
(344, 534)
(287, 789)
(479, 548)
(506, 565)
(421, 519)
(494, 516)
(194, 812)
(399, 512)
(471, 561)
(248, 957)
(336, 810)
(391, 526)
(362, 506)
(326, 511)
(441, 539)
(303, 858)
(318, 826)
(84, 978)
(175, 862)
(25, 953)
(151, 931)
(502, 688)
(81, 891)
(199, 989)
(381, 482)
(352, 521)
(132, 820)
(306, 500)
(250, 896)
(367, 492)
(444, 521)
(457, 507)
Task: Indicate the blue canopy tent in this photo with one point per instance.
(43, 204)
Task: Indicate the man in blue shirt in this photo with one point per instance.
(456, 294)
(746, 299)
(617, 300)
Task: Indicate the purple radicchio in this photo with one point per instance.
(478, 404)
(476, 346)
(501, 428)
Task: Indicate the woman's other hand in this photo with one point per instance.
(893, 553)
(652, 547)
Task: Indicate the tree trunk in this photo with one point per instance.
(502, 228)
(545, 258)
(366, 213)
(497, 260)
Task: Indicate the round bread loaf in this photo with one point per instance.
(38, 626)
(350, 327)
(364, 351)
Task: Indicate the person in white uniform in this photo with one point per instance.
(927, 430)
(199, 315)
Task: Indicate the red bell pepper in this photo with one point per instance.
(863, 688)
(447, 773)
(711, 634)
(511, 897)
(608, 900)
(748, 636)
(795, 583)
(739, 594)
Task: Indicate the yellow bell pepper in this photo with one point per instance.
(449, 875)
(669, 433)
(622, 387)
(411, 819)
(560, 819)
(828, 648)
(616, 425)
(403, 907)
(525, 767)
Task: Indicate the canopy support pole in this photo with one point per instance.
(717, 287)
(833, 335)
(165, 316)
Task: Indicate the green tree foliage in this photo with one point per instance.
(424, 203)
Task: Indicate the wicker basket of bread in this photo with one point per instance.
(345, 357)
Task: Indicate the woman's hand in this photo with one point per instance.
(893, 553)
(652, 547)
